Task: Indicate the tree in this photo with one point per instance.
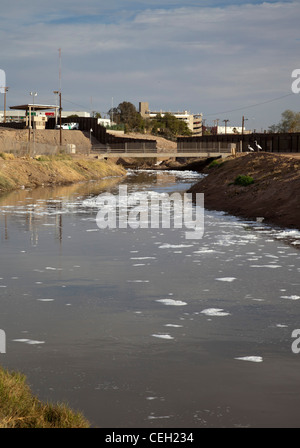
(73, 116)
(96, 114)
(127, 114)
(290, 122)
(169, 126)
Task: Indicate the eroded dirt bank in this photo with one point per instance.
(274, 194)
(18, 173)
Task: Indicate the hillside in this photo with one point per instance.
(49, 136)
(274, 194)
(79, 138)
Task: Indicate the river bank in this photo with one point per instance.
(274, 194)
(45, 171)
(19, 408)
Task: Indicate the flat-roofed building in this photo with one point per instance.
(193, 121)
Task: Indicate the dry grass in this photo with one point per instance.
(20, 409)
(53, 170)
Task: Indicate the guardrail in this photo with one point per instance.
(130, 148)
(198, 146)
(122, 150)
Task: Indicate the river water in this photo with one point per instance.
(142, 328)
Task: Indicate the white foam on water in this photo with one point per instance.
(288, 234)
(250, 358)
(138, 281)
(292, 297)
(204, 251)
(265, 266)
(173, 325)
(29, 341)
(162, 336)
(174, 246)
(153, 417)
(45, 300)
(215, 312)
(226, 279)
(143, 258)
(172, 302)
(281, 326)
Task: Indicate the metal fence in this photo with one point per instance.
(269, 142)
(205, 146)
(34, 149)
(99, 132)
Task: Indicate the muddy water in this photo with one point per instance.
(141, 327)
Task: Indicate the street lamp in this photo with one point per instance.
(33, 94)
(5, 92)
(58, 92)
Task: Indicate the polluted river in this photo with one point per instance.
(143, 327)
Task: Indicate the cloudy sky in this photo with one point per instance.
(225, 59)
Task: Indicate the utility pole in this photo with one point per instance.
(58, 92)
(31, 121)
(226, 121)
(60, 130)
(5, 91)
(216, 121)
(243, 124)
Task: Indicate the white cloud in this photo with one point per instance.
(206, 59)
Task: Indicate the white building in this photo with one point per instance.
(19, 115)
(230, 129)
(80, 113)
(105, 122)
(194, 122)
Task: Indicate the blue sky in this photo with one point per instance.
(224, 59)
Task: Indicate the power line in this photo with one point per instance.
(248, 107)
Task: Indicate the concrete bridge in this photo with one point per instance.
(108, 152)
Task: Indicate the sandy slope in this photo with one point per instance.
(274, 195)
(49, 136)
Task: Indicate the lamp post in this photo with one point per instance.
(33, 94)
(5, 92)
(58, 92)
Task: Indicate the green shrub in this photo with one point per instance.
(244, 181)
(215, 163)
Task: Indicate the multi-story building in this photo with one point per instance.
(193, 121)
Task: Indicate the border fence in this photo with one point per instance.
(285, 142)
(99, 132)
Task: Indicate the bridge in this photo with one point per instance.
(127, 151)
